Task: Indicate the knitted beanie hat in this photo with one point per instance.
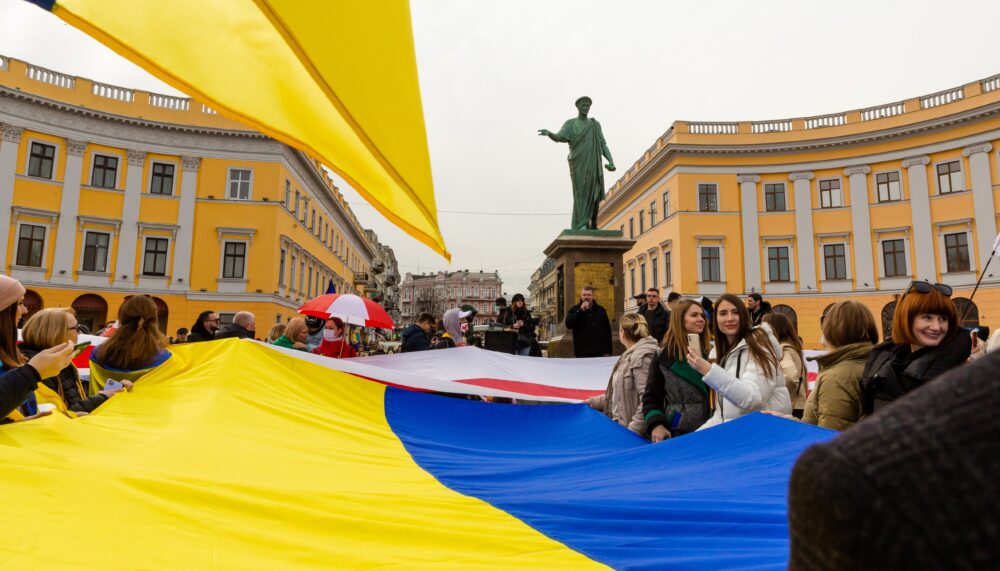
(11, 292)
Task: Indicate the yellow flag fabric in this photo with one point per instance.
(232, 455)
(337, 79)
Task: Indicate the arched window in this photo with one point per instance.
(33, 302)
(968, 308)
(887, 312)
(789, 312)
(91, 311)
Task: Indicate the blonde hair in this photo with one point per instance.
(675, 343)
(276, 332)
(48, 328)
(294, 327)
(634, 326)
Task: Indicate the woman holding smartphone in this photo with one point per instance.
(622, 401)
(51, 328)
(19, 376)
(677, 401)
(747, 376)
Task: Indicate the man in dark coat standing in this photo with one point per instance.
(657, 317)
(757, 307)
(591, 327)
(914, 486)
(244, 326)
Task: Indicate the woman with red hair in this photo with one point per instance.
(925, 343)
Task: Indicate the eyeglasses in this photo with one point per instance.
(78, 328)
(925, 287)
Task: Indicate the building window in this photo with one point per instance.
(887, 185)
(668, 277)
(835, 261)
(41, 160)
(291, 275)
(288, 194)
(281, 268)
(949, 177)
(666, 204)
(154, 261)
(777, 264)
(642, 221)
(830, 194)
(234, 256)
(95, 252)
(105, 171)
(622, 229)
(655, 269)
(298, 200)
(711, 270)
(312, 220)
(302, 276)
(774, 197)
(956, 247)
(631, 274)
(708, 198)
(894, 258)
(309, 287)
(163, 179)
(239, 184)
(30, 245)
(642, 277)
(652, 213)
(631, 228)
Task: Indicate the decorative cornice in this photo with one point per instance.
(11, 134)
(858, 169)
(75, 148)
(84, 220)
(190, 164)
(801, 175)
(916, 161)
(741, 178)
(245, 232)
(980, 148)
(147, 226)
(36, 212)
(136, 158)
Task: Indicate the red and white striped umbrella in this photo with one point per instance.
(350, 308)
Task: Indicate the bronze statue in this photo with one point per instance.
(586, 146)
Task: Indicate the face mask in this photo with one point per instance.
(464, 327)
(329, 335)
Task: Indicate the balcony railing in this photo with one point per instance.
(361, 278)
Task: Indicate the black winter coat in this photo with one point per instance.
(414, 339)
(668, 393)
(893, 370)
(526, 334)
(16, 385)
(912, 487)
(66, 386)
(658, 320)
(199, 336)
(233, 330)
(591, 331)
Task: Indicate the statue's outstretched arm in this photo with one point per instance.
(554, 136)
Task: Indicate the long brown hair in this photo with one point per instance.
(137, 341)
(784, 330)
(675, 343)
(9, 354)
(848, 322)
(757, 340)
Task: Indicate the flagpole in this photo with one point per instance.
(996, 246)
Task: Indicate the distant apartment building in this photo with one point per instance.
(437, 293)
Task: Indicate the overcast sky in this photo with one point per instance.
(493, 73)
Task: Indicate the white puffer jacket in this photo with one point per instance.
(742, 386)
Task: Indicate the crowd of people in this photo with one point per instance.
(693, 364)
(455, 328)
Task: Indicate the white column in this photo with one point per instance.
(861, 228)
(751, 235)
(125, 265)
(920, 211)
(181, 274)
(8, 167)
(982, 198)
(805, 240)
(69, 206)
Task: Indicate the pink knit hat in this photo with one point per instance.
(11, 291)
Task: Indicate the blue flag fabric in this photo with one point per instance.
(331, 288)
(714, 499)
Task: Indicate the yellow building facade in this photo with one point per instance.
(810, 211)
(106, 192)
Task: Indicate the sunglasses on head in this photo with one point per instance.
(925, 287)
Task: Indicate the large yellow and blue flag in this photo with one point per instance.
(334, 78)
(232, 455)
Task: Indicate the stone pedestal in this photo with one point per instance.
(588, 258)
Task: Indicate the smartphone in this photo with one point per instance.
(79, 347)
(695, 341)
(112, 385)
